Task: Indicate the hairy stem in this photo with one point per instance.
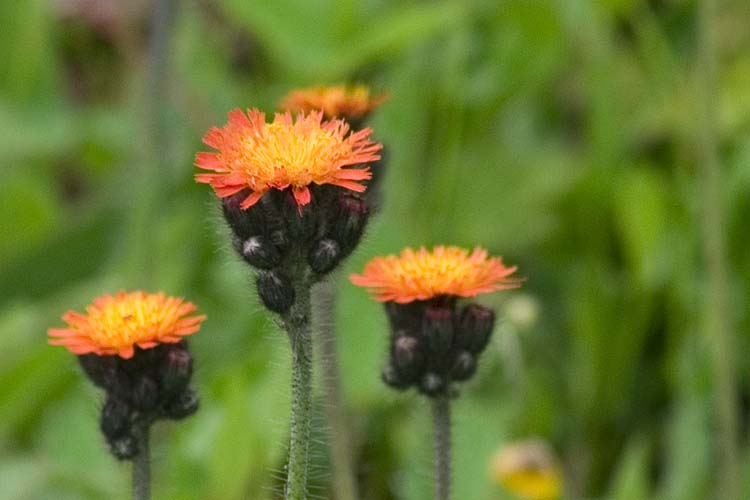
(718, 311)
(142, 465)
(441, 417)
(297, 324)
(344, 481)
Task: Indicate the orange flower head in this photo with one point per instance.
(351, 102)
(422, 275)
(115, 325)
(257, 156)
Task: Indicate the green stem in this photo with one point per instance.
(142, 465)
(441, 417)
(151, 168)
(718, 311)
(344, 481)
(297, 324)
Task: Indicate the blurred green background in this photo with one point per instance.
(565, 135)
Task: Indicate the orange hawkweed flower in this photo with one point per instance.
(259, 156)
(115, 325)
(340, 100)
(422, 275)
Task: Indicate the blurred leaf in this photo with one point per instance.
(28, 213)
(29, 386)
(642, 213)
(304, 42)
(631, 479)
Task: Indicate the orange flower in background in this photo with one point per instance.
(259, 156)
(339, 100)
(422, 275)
(115, 325)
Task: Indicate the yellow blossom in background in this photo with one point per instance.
(529, 470)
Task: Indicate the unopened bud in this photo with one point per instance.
(464, 367)
(176, 369)
(102, 370)
(115, 418)
(244, 223)
(123, 447)
(258, 251)
(324, 256)
(145, 394)
(437, 327)
(350, 221)
(280, 239)
(275, 290)
(405, 317)
(392, 378)
(185, 404)
(432, 384)
(407, 357)
(475, 327)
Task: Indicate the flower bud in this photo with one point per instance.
(350, 221)
(324, 256)
(103, 371)
(280, 238)
(475, 328)
(392, 378)
(185, 404)
(407, 357)
(464, 366)
(176, 369)
(244, 223)
(145, 394)
(406, 318)
(123, 447)
(258, 251)
(115, 418)
(437, 328)
(432, 384)
(275, 290)
(301, 219)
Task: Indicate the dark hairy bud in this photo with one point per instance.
(407, 356)
(103, 371)
(175, 369)
(464, 366)
(392, 378)
(115, 418)
(324, 256)
(475, 327)
(437, 328)
(275, 290)
(145, 394)
(123, 447)
(432, 384)
(260, 252)
(183, 405)
(244, 223)
(350, 221)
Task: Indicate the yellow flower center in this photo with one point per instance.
(290, 155)
(133, 318)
